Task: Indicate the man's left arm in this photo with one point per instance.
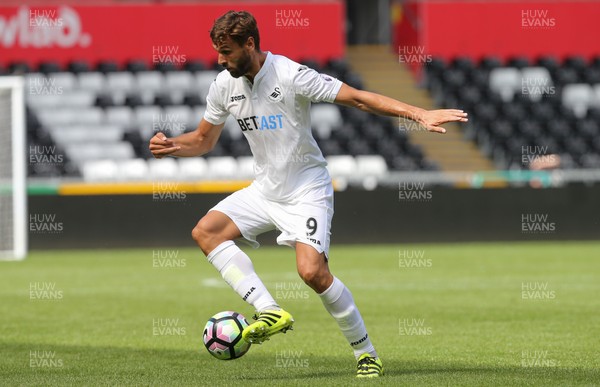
(386, 106)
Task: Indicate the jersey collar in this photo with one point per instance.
(264, 68)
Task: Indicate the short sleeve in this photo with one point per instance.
(215, 111)
(315, 86)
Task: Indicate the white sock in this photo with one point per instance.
(338, 301)
(237, 270)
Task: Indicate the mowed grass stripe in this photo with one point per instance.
(451, 314)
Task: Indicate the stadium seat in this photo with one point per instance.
(93, 81)
(119, 115)
(371, 166)
(194, 66)
(136, 66)
(146, 116)
(325, 118)
(134, 169)
(578, 97)
(223, 167)
(203, 81)
(99, 170)
(165, 67)
(48, 67)
(120, 81)
(56, 116)
(80, 153)
(163, 169)
(78, 66)
(518, 62)
(19, 67)
(181, 116)
(78, 99)
(596, 96)
(179, 80)
(536, 81)
(150, 80)
(193, 168)
(341, 166)
(107, 66)
(63, 80)
(505, 81)
(68, 135)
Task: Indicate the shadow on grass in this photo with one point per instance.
(37, 363)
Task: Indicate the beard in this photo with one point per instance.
(242, 67)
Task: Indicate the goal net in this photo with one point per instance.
(13, 194)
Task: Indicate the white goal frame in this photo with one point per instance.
(19, 168)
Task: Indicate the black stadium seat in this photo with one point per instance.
(78, 66)
(19, 67)
(107, 66)
(47, 67)
(500, 127)
(194, 65)
(137, 65)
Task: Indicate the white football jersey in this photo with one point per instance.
(274, 116)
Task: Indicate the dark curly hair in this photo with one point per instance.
(237, 25)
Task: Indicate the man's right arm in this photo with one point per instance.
(196, 143)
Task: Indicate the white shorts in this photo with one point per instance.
(305, 219)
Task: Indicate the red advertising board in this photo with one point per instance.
(159, 32)
(503, 29)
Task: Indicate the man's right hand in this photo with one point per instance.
(161, 146)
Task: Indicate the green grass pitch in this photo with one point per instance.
(452, 314)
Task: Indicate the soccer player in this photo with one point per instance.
(270, 95)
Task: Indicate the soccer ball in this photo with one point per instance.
(223, 335)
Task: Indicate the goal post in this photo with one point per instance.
(13, 169)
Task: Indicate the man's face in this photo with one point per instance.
(233, 57)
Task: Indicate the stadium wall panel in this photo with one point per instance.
(159, 33)
(501, 28)
(381, 216)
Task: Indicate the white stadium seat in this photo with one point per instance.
(80, 153)
(179, 80)
(163, 169)
(99, 170)
(134, 169)
(180, 115)
(89, 116)
(578, 97)
(121, 81)
(93, 81)
(325, 118)
(63, 80)
(78, 99)
(341, 166)
(596, 100)
(193, 168)
(150, 80)
(222, 167)
(505, 81)
(119, 115)
(56, 117)
(145, 116)
(44, 101)
(204, 79)
(372, 165)
(87, 134)
(536, 81)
